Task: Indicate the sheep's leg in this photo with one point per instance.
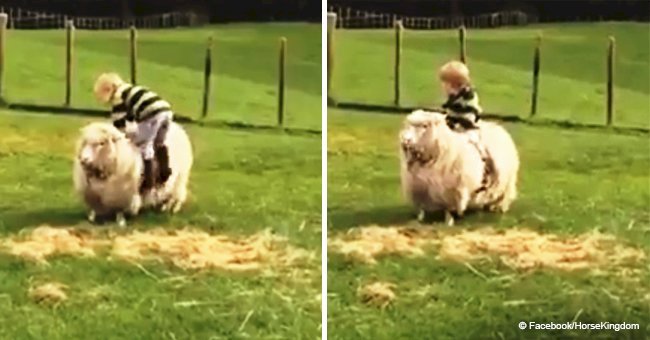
(176, 207)
(181, 196)
(449, 218)
(136, 204)
(503, 202)
(120, 219)
(92, 216)
(178, 196)
(502, 205)
(169, 206)
(422, 215)
(462, 202)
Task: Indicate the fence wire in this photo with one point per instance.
(24, 19)
(348, 18)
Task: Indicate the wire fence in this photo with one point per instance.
(386, 71)
(350, 18)
(24, 19)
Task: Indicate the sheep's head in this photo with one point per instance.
(105, 87)
(417, 134)
(97, 151)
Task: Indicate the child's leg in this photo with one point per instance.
(147, 133)
(148, 181)
(162, 153)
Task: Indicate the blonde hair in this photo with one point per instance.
(106, 85)
(455, 73)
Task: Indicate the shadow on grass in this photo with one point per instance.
(13, 221)
(340, 219)
(180, 118)
(565, 124)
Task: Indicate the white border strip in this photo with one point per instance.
(324, 170)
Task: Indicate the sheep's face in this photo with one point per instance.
(413, 135)
(97, 151)
(418, 134)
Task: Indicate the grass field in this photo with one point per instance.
(572, 80)
(572, 181)
(242, 183)
(245, 69)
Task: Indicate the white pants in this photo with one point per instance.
(147, 132)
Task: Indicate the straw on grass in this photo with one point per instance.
(366, 243)
(51, 293)
(517, 248)
(194, 249)
(378, 294)
(523, 249)
(46, 241)
(186, 248)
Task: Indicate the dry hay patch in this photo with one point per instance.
(524, 249)
(378, 294)
(48, 293)
(194, 249)
(518, 248)
(46, 241)
(186, 248)
(365, 244)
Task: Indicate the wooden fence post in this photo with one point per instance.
(3, 35)
(398, 59)
(281, 78)
(69, 27)
(331, 27)
(133, 54)
(206, 78)
(536, 65)
(461, 37)
(611, 52)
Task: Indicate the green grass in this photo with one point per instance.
(571, 181)
(171, 62)
(242, 182)
(572, 80)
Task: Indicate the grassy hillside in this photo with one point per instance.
(572, 81)
(242, 183)
(244, 85)
(571, 182)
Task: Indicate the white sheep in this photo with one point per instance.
(442, 170)
(107, 172)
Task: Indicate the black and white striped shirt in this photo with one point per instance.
(464, 102)
(136, 103)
